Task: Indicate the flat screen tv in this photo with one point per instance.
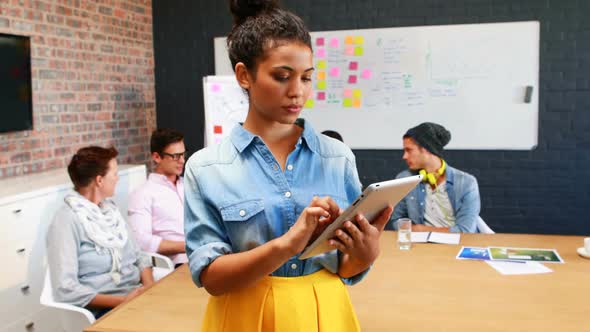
(16, 110)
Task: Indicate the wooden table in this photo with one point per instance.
(424, 289)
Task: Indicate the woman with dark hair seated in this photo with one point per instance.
(93, 258)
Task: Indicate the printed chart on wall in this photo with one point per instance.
(478, 80)
(226, 105)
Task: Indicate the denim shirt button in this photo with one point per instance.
(288, 194)
(294, 266)
(242, 213)
(290, 167)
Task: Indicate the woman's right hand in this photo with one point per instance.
(312, 221)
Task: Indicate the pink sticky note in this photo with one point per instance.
(366, 74)
(320, 53)
(334, 42)
(349, 50)
(321, 96)
(351, 79)
(347, 93)
(335, 72)
(319, 41)
(215, 87)
(353, 65)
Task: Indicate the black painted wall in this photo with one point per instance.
(546, 190)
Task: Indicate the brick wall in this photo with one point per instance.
(540, 191)
(93, 80)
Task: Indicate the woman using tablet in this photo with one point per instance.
(255, 200)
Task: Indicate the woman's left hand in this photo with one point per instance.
(362, 242)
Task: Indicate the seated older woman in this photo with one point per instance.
(93, 258)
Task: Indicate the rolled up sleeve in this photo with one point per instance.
(206, 238)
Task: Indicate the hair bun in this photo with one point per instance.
(242, 9)
(444, 136)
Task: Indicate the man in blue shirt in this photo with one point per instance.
(448, 199)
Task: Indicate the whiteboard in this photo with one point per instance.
(226, 105)
(372, 85)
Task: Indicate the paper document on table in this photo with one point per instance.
(525, 254)
(420, 237)
(515, 268)
(446, 238)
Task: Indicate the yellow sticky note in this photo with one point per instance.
(308, 103)
(358, 50)
(357, 93)
(356, 103)
(359, 40)
(321, 85)
(348, 40)
(347, 102)
(321, 75)
(322, 64)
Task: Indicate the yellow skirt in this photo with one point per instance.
(318, 302)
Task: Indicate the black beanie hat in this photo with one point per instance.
(431, 136)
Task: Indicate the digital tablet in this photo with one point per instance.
(370, 203)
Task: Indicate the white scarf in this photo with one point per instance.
(104, 225)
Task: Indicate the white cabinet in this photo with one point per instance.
(27, 206)
(42, 320)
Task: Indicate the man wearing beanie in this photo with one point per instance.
(448, 199)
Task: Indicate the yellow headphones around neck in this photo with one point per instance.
(432, 178)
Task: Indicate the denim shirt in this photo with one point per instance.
(237, 197)
(463, 193)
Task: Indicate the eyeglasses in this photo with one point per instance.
(175, 156)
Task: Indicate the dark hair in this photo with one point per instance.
(333, 134)
(161, 138)
(88, 163)
(258, 26)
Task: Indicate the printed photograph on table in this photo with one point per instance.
(524, 254)
(475, 253)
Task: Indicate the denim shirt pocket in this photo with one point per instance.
(246, 224)
(241, 211)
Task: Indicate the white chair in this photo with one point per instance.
(483, 228)
(75, 319)
(162, 265)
